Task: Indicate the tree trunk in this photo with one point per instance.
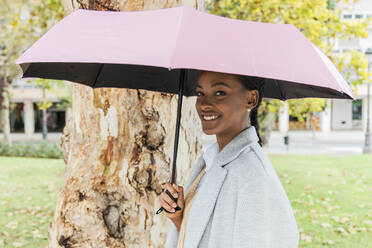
(1, 101)
(308, 119)
(4, 110)
(44, 119)
(118, 147)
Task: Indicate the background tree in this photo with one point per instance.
(118, 147)
(320, 22)
(22, 22)
(303, 109)
(48, 85)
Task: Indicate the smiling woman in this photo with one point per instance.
(233, 196)
(225, 102)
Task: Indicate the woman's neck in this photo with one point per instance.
(224, 139)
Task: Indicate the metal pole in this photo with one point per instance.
(44, 124)
(367, 141)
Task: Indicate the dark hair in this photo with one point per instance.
(254, 83)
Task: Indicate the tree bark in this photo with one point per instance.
(118, 149)
(4, 110)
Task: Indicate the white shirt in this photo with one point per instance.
(208, 156)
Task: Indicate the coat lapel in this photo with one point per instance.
(203, 205)
(207, 194)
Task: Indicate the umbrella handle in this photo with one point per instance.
(174, 199)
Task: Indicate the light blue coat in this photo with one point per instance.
(241, 202)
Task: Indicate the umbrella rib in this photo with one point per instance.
(280, 90)
(99, 72)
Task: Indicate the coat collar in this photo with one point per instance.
(207, 194)
(243, 139)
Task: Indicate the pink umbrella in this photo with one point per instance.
(96, 48)
(165, 50)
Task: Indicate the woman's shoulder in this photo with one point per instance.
(252, 163)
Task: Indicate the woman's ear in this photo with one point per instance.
(252, 98)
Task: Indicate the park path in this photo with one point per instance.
(301, 142)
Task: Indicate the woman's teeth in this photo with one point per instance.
(208, 118)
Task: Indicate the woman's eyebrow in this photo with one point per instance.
(215, 84)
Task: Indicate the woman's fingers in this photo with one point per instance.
(180, 200)
(168, 204)
(171, 189)
(165, 205)
(168, 200)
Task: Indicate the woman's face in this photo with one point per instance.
(222, 103)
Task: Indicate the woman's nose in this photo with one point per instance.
(207, 104)
(206, 101)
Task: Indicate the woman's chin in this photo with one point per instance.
(209, 131)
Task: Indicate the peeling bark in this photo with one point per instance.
(118, 149)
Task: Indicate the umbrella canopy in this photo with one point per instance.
(147, 49)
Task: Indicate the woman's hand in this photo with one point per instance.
(167, 203)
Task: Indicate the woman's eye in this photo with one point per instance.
(223, 93)
(218, 93)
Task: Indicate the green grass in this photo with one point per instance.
(28, 195)
(331, 197)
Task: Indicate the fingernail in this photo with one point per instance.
(173, 211)
(175, 195)
(174, 205)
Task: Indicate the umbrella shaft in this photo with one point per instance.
(179, 107)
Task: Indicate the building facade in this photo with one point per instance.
(345, 114)
(25, 115)
(353, 114)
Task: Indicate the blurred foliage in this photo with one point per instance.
(266, 110)
(44, 149)
(321, 22)
(300, 108)
(22, 22)
(65, 102)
